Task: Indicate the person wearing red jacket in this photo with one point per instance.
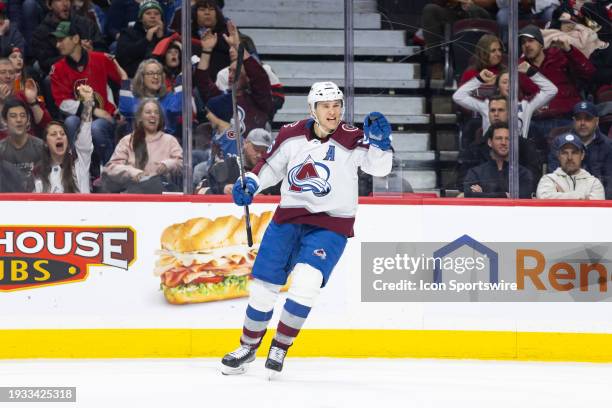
(254, 92)
(563, 65)
(81, 67)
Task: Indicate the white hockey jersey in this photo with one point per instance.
(320, 185)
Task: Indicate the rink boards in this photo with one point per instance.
(98, 297)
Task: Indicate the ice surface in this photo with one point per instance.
(317, 383)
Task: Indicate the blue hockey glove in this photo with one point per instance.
(377, 130)
(244, 196)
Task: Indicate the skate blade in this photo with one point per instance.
(272, 374)
(225, 370)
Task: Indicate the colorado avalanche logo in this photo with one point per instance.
(310, 176)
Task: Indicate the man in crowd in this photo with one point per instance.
(20, 149)
(223, 173)
(136, 43)
(480, 152)
(491, 178)
(598, 156)
(570, 181)
(254, 92)
(79, 66)
(36, 108)
(563, 65)
(43, 43)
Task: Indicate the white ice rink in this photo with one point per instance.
(317, 382)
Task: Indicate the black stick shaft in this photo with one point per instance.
(235, 82)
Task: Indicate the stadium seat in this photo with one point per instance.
(464, 36)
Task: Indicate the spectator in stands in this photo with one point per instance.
(124, 13)
(146, 153)
(43, 42)
(278, 94)
(488, 55)
(32, 14)
(439, 13)
(528, 10)
(491, 178)
(479, 152)
(150, 82)
(598, 157)
(59, 171)
(570, 181)
(563, 65)
(87, 9)
(10, 37)
(206, 15)
(254, 94)
(547, 91)
(20, 149)
(29, 94)
(79, 66)
(136, 43)
(223, 173)
(169, 53)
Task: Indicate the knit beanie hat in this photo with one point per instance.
(147, 5)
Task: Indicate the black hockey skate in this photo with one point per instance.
(236, 361)
(274, 362)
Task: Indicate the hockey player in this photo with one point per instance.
(317, 160)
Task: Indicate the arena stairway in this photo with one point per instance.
(305, 49)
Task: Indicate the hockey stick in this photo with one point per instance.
(238, 136)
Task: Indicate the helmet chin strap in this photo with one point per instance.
(316, 119)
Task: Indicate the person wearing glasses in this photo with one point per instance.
(150, 82)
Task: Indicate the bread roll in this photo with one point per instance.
(200, 234)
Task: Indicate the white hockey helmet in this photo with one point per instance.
(324, 91)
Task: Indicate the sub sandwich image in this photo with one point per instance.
(204, 260)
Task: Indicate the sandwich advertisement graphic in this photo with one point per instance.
(204, 260)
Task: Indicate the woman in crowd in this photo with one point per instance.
(150, 82)
(59, 171)
(207, 15)
(488, 55)
(146, 153)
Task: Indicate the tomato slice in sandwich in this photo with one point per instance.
(208, 279)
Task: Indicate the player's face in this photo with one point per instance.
(498, 111)
(585, 124)
(500, 143)
(150, 118)
(495, 54)
(7, 73)
(153, 78)
(57, 141)
(504, 84)
(17, 121)
(570, 159)
(329, 114)
(16, 59)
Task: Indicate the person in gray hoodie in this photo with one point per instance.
(570, 181)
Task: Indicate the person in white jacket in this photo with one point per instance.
(570, 181)
(463, 96)
(59, 171)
